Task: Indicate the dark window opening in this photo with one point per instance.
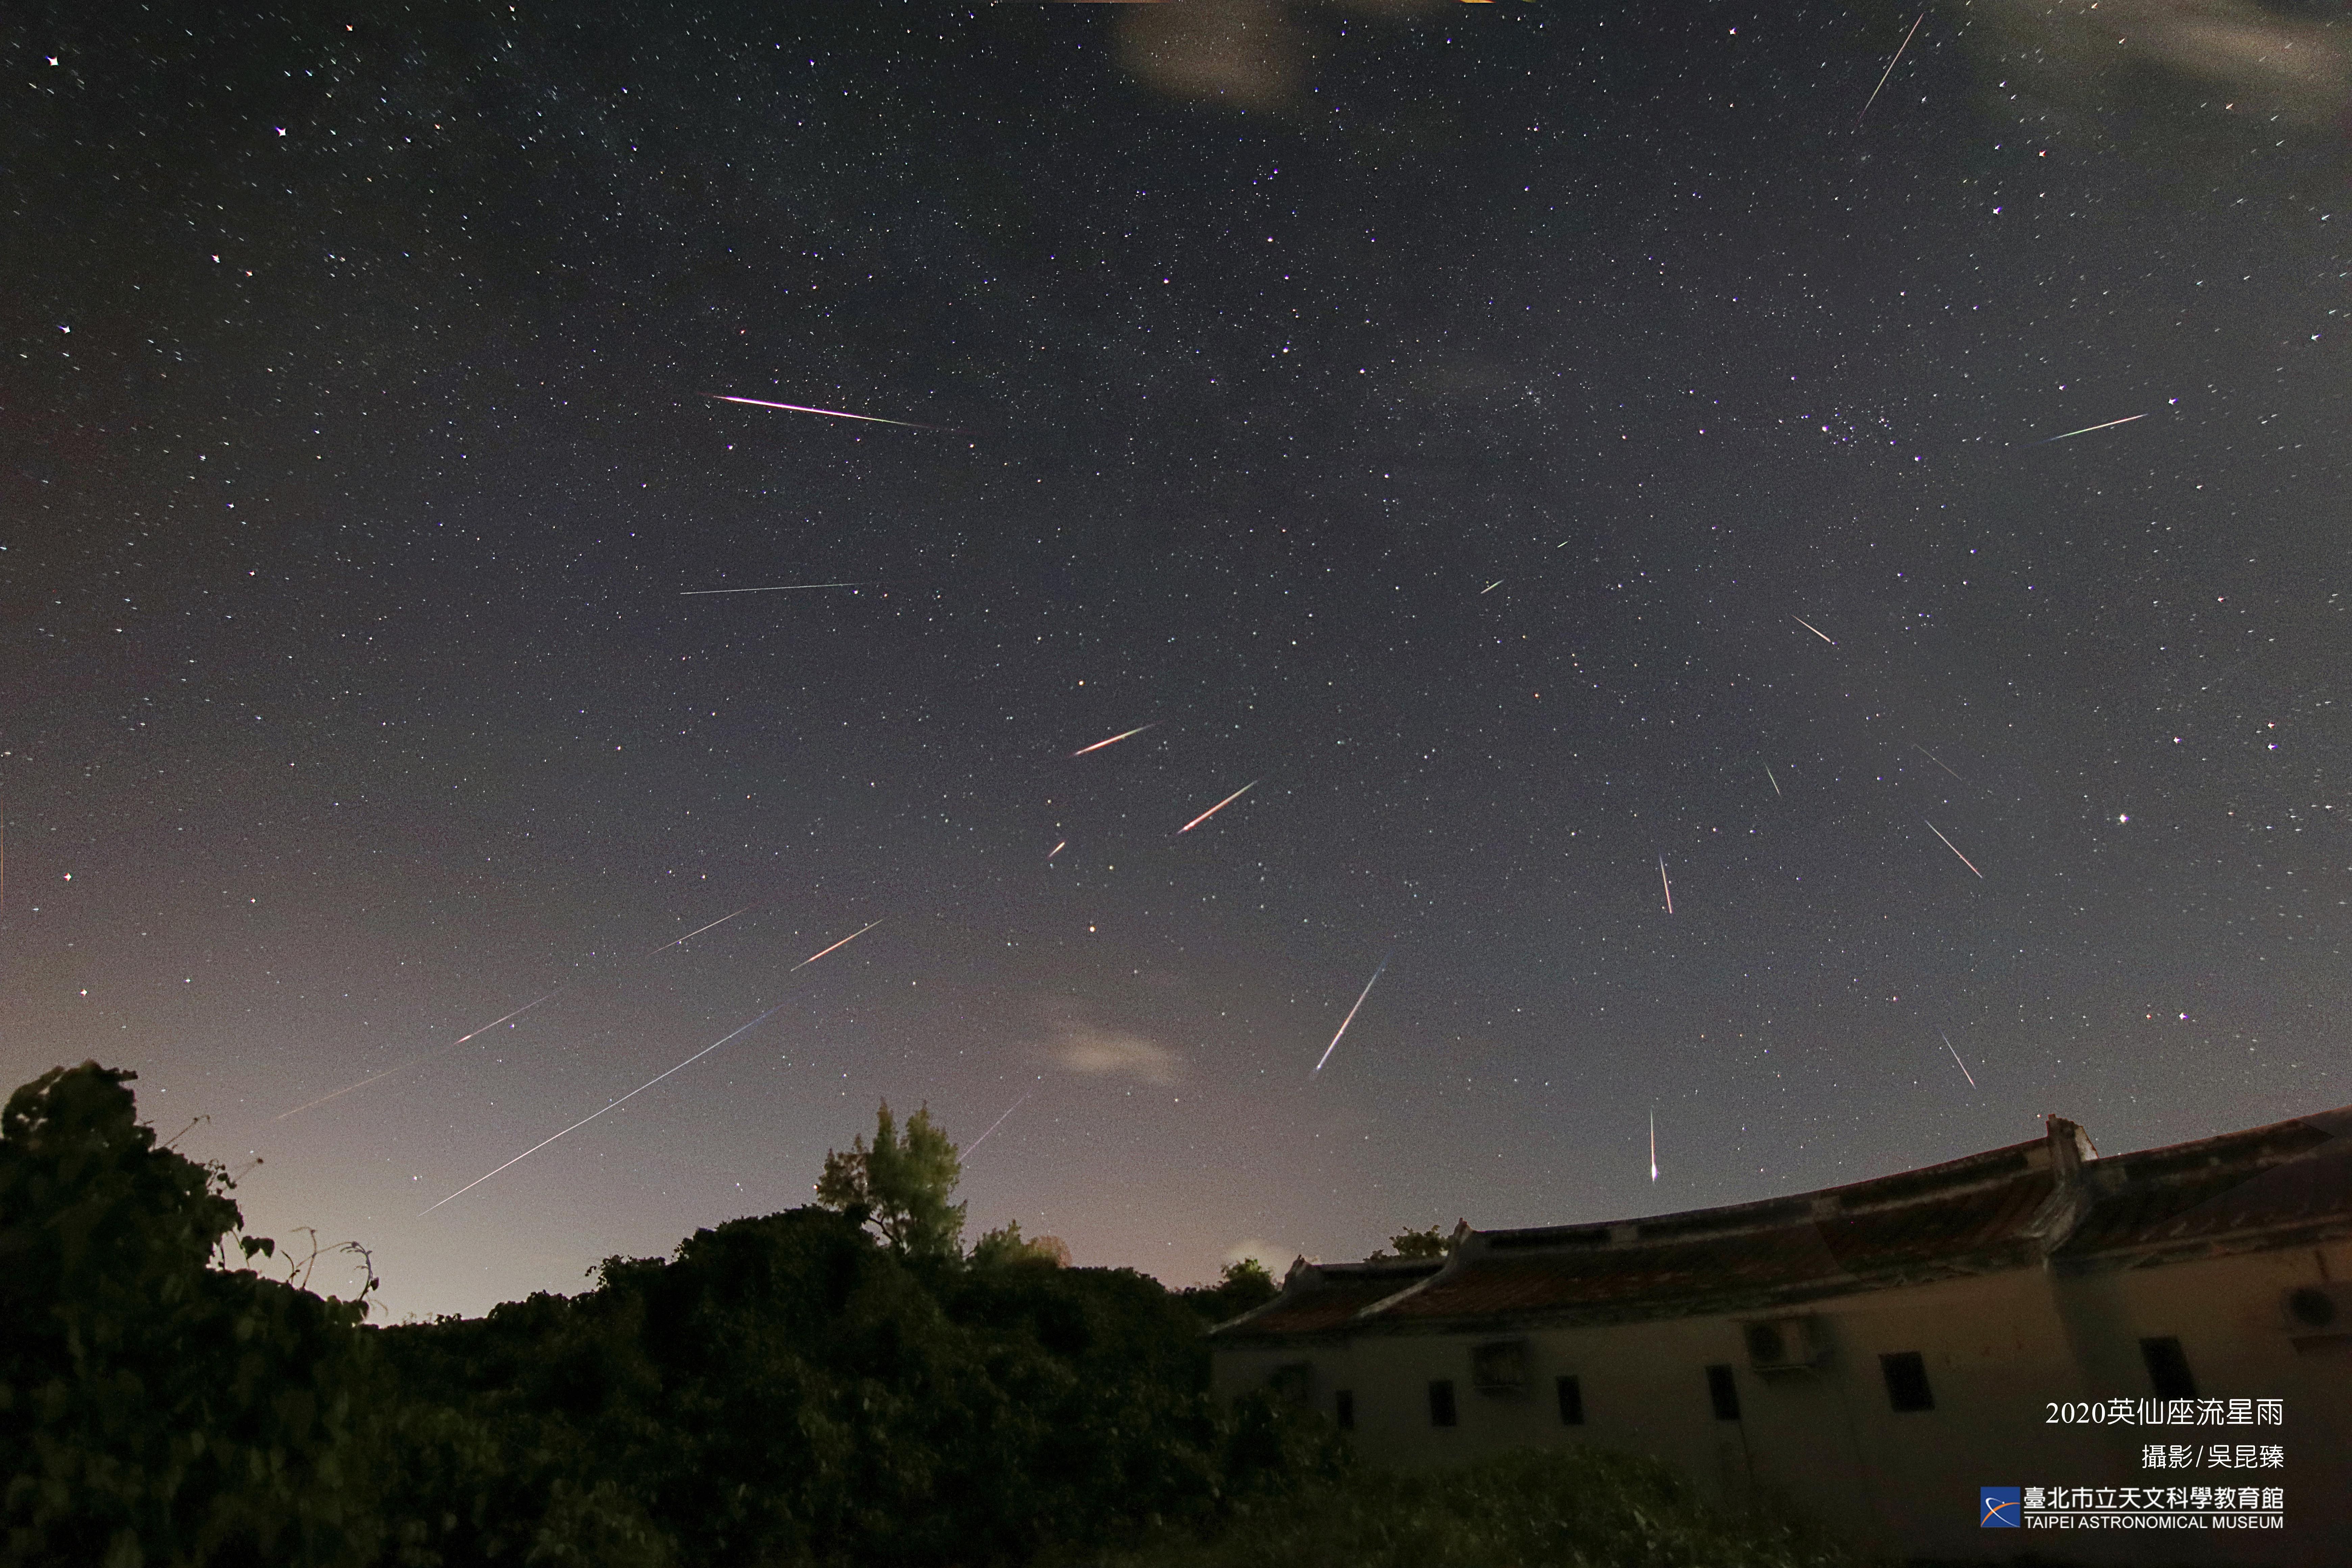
(1343, 1407)
(1441, 1403)
(1723, 1393)
(1571, 1402)
(1907, 1380)
(2167, 1368)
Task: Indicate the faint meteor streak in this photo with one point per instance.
(778, 588)
(1058, 848)
(1490, 588)
(1350, 1018)
(413, 1061)
(1219, 806)
(1888, 71)
(1654, 1146)
(844, 941)
(1936, 759)
(1956, 1059)
(697, 932)
(1775, 783)
(1663, 883)
(2088, 428)
(1814, 629)
(585, 1121)
(1115, 739)
(997, 1124)
(828, 413)
(1952, 847)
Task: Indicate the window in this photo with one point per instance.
(1343, 1409)
(2167, 1368)
(1500, 1367)
(1441, 1403)
(1572, 1402)
(1907, 1380)
(1723, 1393)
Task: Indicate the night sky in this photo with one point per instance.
(1436, 418)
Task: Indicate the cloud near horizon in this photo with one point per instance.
(1099, 1052)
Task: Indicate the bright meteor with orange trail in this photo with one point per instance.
(1114, 741)
(1219, 806)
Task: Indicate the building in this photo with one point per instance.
(2033, 1317)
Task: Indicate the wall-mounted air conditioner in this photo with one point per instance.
(1783, 1344)
(2316, 1310)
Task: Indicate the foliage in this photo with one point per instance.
(1432, 1242)
(1244, 1285)
(1006, 1246)
(900, 1185)
(787, 1390)
(155, 1409)
(1568, 1507)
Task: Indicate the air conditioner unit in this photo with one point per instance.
(2316, 1310)
(1783, 1344)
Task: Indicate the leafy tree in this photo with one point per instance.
(1242, 1286)
(1006, 1244)
(154, 1408)
(1432, 1242)
(900, 1185)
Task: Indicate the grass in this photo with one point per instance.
(1573, 1508)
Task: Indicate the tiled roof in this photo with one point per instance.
(2005, 1208)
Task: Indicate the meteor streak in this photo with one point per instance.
(778, 588)
(418, 1060)
(1490, 588)
(2088, 428)
(697, 932)
(1058, 848)
(1888, 71)
(585, 1121)
(1952, 847)
(1114, 741)
(1654, 1146)
(828, 413)
(1350, 1018)
(1668, 885)
(1936, 759)
(1775, 783)
(1814, 629)
(844, 941)
(1956, 1059)
(1219, 806)
(997, 1124)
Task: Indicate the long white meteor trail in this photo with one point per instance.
(697, 932)
(1114, 741)
(1956, 1059)
(778, 588)
(997, 1124)
(416, 1060)
(1663, 883)
(1888, 71)
(1952, 847)
(2088, 428)
(844, 941)
(1654, 1146)
(1219, 806)
(1350, 1018)
(828, 413)
(585, 1121)
(1814, 629)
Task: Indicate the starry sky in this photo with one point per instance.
(1556, 457)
